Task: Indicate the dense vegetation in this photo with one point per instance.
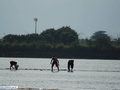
(63, 43)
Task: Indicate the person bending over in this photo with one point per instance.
(54, 61)
(13, 65)
(70, 65)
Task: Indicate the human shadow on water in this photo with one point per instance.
(13, 70)
(70, 72)
(54, 71)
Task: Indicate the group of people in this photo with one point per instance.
(54, 61)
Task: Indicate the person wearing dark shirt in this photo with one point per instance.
(70, 65)
(55, 62)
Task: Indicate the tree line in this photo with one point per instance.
(63, 43)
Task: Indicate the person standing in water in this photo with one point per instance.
(70, 65)
(54, 61)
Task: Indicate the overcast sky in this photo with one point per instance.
(84, 16)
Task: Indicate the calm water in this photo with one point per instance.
(87, 75)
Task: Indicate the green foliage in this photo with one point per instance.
(67, 36)
(101, 40)
(64, 35)
(63, 42)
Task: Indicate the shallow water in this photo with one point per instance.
(87, 75)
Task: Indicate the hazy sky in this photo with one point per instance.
(84, 16)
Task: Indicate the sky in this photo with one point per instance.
(84, 16)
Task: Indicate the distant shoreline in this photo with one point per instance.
(67, 58)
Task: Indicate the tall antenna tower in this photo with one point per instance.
(35, 19)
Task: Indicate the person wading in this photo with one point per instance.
(53, 62)
(70, 65)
